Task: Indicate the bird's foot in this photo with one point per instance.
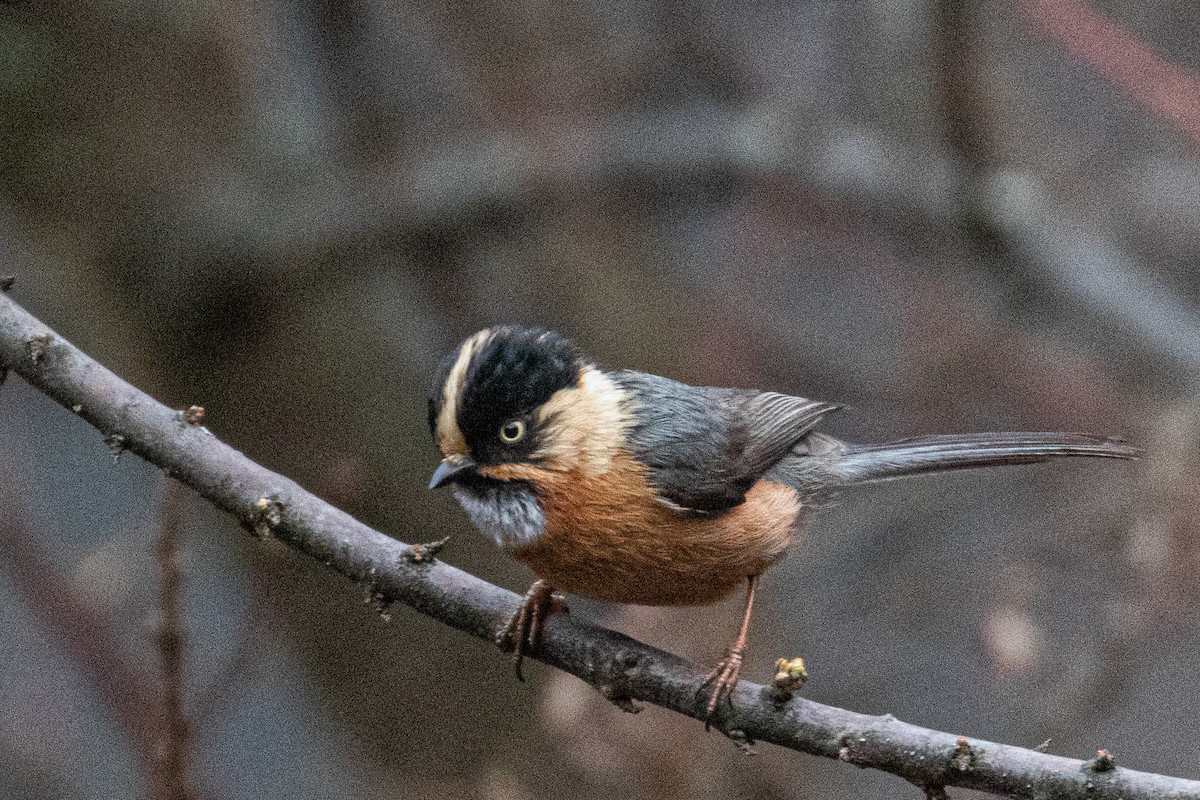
(719, 683)
(523, 632)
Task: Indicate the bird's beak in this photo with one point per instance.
(451, 470)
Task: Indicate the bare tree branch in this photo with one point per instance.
(621, 668)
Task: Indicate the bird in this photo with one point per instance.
(628, 487)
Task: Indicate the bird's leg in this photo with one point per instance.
(524, 631)
(720, 682)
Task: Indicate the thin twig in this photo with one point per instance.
(271, 505)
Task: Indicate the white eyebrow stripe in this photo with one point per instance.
(450, 436)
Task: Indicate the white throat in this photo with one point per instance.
(509, 513)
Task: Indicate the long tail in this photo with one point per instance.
(881, 462)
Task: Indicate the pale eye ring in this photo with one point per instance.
(512, 431)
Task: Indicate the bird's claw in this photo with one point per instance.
(720, 682)
(523, 632)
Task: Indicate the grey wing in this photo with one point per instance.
(775, 423)
(706, 447)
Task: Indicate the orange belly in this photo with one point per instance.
(613, 541)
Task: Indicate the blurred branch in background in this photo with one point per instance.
(174, 751)
(90, 638)
(1052, 265)
(621, 668)
(1089, 269)
(232, 674)
(1019, 229)
(1057, 256)
(1164, 88)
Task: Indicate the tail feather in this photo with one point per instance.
(881, 462)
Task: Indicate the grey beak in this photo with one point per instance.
(450, 469)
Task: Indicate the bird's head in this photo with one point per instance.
(519, 404)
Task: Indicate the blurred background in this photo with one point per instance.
(949, 216)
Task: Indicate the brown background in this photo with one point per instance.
(948, 216)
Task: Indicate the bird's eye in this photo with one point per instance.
(512, 431)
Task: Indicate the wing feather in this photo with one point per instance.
(705, 447)
(775, 423)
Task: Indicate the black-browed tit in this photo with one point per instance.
(632, 488)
